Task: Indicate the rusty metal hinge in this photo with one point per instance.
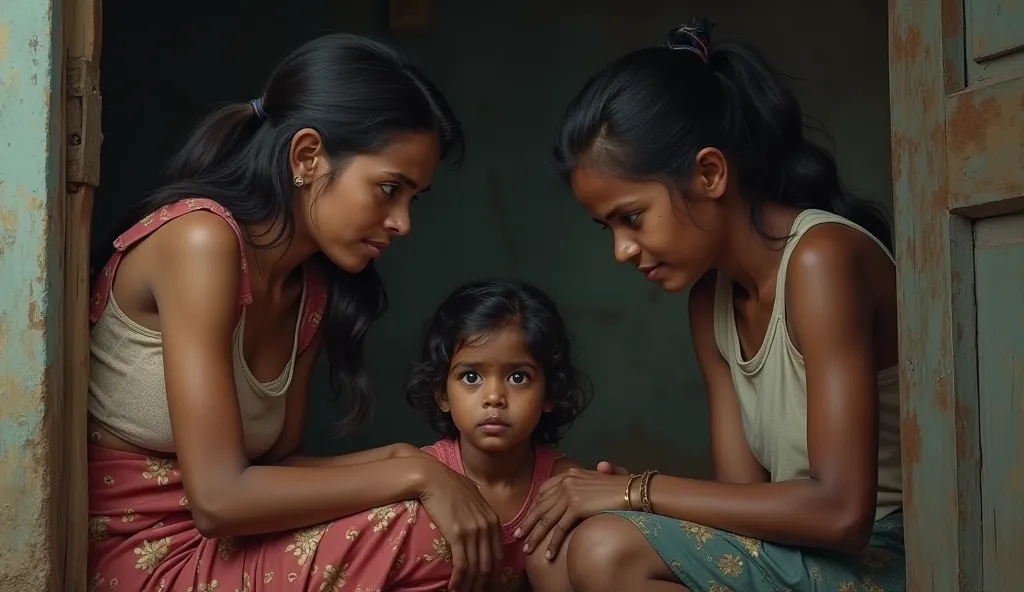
(83, 123)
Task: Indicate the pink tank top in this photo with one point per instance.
(448, 452)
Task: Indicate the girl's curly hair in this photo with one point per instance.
(478, 308)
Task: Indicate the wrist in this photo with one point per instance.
(416, 476)
(645, 490)
(637, 496)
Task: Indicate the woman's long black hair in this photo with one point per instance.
(358, 94)
(648, 114)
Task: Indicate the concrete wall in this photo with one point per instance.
(508, 69)
(30, 290)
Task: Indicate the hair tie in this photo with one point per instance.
(695, 37)
(257, 108)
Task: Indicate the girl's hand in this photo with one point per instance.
(567, 499)
(467, 522)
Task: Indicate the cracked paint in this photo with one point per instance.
(30, 291)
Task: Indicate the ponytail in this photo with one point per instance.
(212, 143)
(774, 157)
(691, 95)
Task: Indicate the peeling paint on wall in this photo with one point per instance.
(30, 291)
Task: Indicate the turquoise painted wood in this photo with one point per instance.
(957, 112)
(30, 291)
(994, 38)
(999, 278)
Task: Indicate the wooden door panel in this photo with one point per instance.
(995, 38)
(994, 28)
(985, 146)
(957, 113)
(939, 418)
(999, 279)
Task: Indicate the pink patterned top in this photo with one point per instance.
(448, 452)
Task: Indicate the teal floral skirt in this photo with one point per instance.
(709, 560)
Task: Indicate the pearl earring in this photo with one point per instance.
(298, 181)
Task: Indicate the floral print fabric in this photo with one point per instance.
(709, 560)
(142, 538)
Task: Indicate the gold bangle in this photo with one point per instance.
(645, 496)
(629, 485)
(631, 504)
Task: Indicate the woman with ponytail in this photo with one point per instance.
(694, 156)
(208, 314)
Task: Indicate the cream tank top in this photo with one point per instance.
(128, 396)
(127, 390)
(772, 386)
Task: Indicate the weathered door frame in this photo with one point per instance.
(82, 24)
(957, 97)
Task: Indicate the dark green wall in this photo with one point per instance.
(508, 69)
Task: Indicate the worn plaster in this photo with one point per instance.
(30, 279)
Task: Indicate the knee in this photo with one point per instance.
(545, 575)
(540, 568)
(600, 551)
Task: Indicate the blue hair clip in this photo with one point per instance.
(257, 108)
(695, 37)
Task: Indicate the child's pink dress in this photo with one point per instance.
(513, 566)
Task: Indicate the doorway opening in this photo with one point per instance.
(508, 70)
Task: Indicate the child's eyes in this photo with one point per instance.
(473, 378)
(519, 378)
(470, 378)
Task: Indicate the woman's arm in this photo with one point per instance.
(830, 309)
(390, 451)
(284, 451)
(733, 458)
(831, 313)
(196, 292)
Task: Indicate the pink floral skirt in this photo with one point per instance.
(142, 538)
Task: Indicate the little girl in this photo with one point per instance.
(496, 379)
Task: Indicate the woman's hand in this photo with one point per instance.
(467, 522)
(567, 499)
(609, 469)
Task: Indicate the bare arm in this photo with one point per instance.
(197, 296)
(284, 451)
(734, 460)
(391, 451)
(831, 311)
